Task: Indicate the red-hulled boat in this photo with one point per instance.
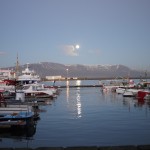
(142, 94)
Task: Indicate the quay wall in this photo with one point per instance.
(90, 78)
(130, 147)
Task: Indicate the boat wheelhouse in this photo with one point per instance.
(28, 76)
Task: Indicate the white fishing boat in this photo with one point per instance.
(37, 90)
(120, 90)
(130, 92)
(127, 92)
(28, 76)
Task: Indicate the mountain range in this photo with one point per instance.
(90, 71)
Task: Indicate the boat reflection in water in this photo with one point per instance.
(20, 132)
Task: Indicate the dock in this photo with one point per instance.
(78, 86)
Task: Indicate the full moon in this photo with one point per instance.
(77, 46)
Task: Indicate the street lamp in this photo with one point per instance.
(67, 82)
(67, 73)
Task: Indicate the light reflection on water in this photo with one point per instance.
(79, 106)
(74, 102)
(87, 117)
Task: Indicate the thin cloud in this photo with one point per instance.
(2, 53)
(70, 50)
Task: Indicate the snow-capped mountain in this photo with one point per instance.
(78, 70)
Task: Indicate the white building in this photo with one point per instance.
(53, 77)
(7, 74)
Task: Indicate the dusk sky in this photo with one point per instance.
(87, 32)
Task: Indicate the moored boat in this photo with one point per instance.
(28, 76)
(145, 92)
(113, 85)
(35, 91)
(120, 90)
(130, 92)
(10, 116)
(142, 94)
(15, 113)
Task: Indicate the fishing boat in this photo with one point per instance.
(145, 92)
(37, 90)
(127, 92)
(14, 116)
(28, 76)
(120, 90)
(130, 93)
(118, 85)
(14, 113)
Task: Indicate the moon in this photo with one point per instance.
(77, 46)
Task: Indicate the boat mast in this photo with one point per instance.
(17, 67)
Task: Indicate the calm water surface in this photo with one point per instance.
(87, 117)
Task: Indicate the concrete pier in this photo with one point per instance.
(128, 147)
(76, 86)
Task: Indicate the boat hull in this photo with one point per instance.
(142, 94)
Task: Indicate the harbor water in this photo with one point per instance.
(86, 117)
